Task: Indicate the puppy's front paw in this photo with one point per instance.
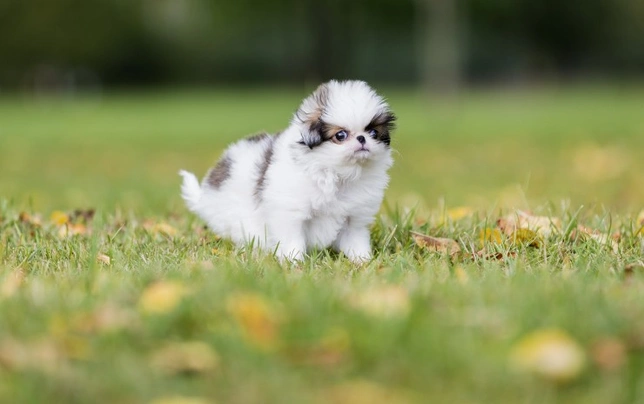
(358, 257)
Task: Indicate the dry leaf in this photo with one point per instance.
(162, 297)
(83, 215)
(162, 228)
(437, 244)
(72, 229)
(382, 301)
(544, 226)
(102, 258)
(34, 220)
(59, 218)
(185, 358)
(498, 256)
(609, 354)
(551, 354)
(257, 319)
(602, 239)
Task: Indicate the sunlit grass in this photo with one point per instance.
(144, 304)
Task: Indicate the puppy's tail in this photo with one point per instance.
(190, 190)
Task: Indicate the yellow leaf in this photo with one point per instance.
(162, 297)
(551, 354)
(526, 237)
(257, 319)
(489, 235)
(437, 244)
(382, 301)
(59, 218)
(104, 259)
(185, 357)
(459, 213)
(640, 223)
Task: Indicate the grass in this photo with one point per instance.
(178, 312)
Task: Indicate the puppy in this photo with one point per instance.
(317, 184)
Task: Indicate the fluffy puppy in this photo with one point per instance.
(317, 184)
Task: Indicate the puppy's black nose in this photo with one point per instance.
(361, 139)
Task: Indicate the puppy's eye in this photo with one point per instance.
(340, 136)
(373, 133)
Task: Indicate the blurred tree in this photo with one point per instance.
(440, 43)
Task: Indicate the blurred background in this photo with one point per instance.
(102, 101)
(65, 45)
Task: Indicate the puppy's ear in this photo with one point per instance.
(309, 116)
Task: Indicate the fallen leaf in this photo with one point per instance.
(162, 297)
(586, 233)
(162, 228)
(104, 259)
(640, 224)
(609, 354)
(258, 320)
(59, 218)
(498, 255)
(83, 215)
(185, 358)
(34, 220)
(459, 213)
(489, 235)
(437, 244)
(526, 237)
(544, 226)
(382, 301)
(72, 229)
(551, 354)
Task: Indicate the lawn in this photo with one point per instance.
(529, 289)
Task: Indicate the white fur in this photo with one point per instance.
(319, 197)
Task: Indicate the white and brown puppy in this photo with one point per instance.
(317, 184)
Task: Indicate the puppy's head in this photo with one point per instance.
(345, 122)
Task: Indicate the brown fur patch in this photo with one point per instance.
(257, 137)
(220, 173)
(263, 167)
